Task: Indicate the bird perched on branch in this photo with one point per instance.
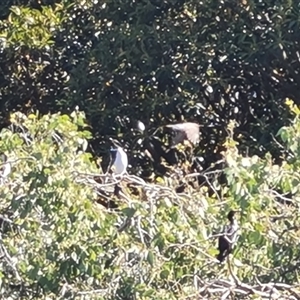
(185, 131)
(119, 160)
(229, 237)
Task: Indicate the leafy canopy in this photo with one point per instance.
(159, 243)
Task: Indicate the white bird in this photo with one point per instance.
(120, 162)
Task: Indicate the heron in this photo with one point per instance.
(155, 149)
(229, 237)
(182, 131)
(120, 160)
(185, 131)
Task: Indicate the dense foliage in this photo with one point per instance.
(158, 61)
(58, 241)
(76, 73)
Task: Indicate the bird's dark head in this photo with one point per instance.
(113, 153)
(115, 143)
(231, 214)
(3, 157)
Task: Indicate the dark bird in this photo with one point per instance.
(185, 131)
(229, 237)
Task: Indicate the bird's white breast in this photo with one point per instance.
(121, 161)
(6, 170)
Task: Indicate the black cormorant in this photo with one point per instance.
(229, 237)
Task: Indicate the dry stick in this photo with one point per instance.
(280, 196)
(236, 280)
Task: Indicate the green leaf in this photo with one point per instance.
(164, 274)
(149, 293)
(150, 258)
(129, 212)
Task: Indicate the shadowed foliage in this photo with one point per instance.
(157, 61)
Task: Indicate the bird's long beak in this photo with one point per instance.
(238, 212)
(115, 142)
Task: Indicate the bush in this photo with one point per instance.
(158, 244)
